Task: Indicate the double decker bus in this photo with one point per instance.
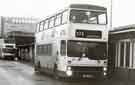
(73, 42)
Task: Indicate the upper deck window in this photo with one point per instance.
(64, 17)
(41, 26)
(38, 26)
(46, 22)
(51, 23)
(90, 17)
(58, 19)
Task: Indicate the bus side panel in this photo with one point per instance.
(48, 61)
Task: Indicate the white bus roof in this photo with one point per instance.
(77, 6)
(87, 6)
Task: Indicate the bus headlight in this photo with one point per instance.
(105, 69)
(69, 73)
(68, 68)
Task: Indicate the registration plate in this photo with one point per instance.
(87, 76)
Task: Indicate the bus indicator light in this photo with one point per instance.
(105, 69)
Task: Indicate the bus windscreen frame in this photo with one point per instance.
(88, 16)
(92, 50)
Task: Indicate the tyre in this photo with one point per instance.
(55, 74)
(37, 67)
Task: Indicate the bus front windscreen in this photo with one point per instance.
(92, 50)
(9, 50)
(88, 17)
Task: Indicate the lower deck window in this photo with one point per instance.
(44, 50)
(63, 48)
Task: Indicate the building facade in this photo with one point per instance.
(24, 43)
(9, 24)
(122, 51)
(20, 30)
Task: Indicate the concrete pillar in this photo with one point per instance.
(2, 27)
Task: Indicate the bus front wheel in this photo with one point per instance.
(55, 72)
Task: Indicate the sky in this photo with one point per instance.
(123, 13)
(38, 8)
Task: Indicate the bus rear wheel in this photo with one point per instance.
(37, 67)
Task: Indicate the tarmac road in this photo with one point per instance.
(17, 73)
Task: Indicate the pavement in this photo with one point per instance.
(18, 73)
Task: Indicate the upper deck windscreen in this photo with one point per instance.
(88, 14)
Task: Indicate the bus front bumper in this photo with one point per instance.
(84, 72)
